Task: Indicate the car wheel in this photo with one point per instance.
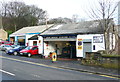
(29, 54)
(15, 53)
(6, 51)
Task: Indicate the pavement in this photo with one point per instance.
(73, 64)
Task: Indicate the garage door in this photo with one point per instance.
(87, 47)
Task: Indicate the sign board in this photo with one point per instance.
(21, 37)
(60, 38)
(97, 39)
(79, 44)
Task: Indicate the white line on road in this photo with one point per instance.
(7, 72)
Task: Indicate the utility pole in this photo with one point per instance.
(1, 26)
(46, 19)
(15, 27)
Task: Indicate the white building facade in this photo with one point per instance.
(89, 43)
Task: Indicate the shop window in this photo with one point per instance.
(93, 47)
(35, 43)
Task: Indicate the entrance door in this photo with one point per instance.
(87, 47)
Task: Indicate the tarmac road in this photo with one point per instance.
(14, 69)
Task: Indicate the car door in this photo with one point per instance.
(34, 50)
(2, 47)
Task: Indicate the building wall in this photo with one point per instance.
(51, 47)
(94, 43)
(30, 42)
(3, 34)
(27, 37)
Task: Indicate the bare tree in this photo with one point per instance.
(104, 13)
(19, 15)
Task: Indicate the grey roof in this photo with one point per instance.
(80, 28)
(32, 29)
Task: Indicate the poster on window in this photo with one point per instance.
(97, 39)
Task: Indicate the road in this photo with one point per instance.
(13, 69)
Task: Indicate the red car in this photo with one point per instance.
(29, 51)
(6, 43)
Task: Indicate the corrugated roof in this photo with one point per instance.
(32, 29)
(82, 27)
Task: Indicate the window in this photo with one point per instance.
(93, 47)
(35, 43)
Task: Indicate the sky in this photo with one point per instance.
(62, 8)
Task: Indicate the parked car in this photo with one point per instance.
(1, 46)
(15, 46)
(5, 47)
(16, 50)
(29, 51)
(12, 46)
(5, 42)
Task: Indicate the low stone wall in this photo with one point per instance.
(96, 59)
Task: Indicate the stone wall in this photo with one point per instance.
(96, 59)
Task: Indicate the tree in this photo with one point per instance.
(18, 15)
(104, 13)
(58, 20)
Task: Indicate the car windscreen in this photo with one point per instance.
(23, 47)
(17, 47)
(7, 46)
(28, 48)
(14, 46)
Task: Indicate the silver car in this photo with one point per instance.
(12, 47)
(1, 46)
(6, 47)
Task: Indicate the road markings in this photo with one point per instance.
(30, 62)
(52, 66)
(7, 72)
(36, 75)
(109, 76)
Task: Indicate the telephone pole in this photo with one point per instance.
(46, 19)
(1, 26)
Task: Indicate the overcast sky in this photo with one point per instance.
(62, 8)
